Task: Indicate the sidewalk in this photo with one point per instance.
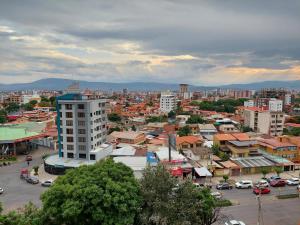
(43, 176)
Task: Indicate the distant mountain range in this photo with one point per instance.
(61, 84)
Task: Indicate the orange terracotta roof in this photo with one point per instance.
(241, 136)
(229, 164)
(188, 139)
(225, 137)
(273, 143)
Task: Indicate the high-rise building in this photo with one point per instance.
(167, 102)
(249, 103)
(183, 88)
(82, 129)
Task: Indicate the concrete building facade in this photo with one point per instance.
(81, 127)
(167, 102)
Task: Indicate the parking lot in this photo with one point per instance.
(17, 192)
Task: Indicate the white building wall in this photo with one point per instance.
(275, 105)
(167, 102)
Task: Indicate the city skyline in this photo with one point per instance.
(194, 42)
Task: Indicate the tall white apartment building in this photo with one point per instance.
(82, 127)
(288, 99)
(275, 105)
(263, 121)
(167, 102)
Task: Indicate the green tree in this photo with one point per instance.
(44, 104)
(104, 193)
(154, 119)
(264, 171)
(113, 129)
(194, 119)
(36, 170)
(184, 131)
(278, 170)
(33, 102)
(133, 128)
(12, 107)
(44, 99)
(28, 107)
(225, 178)
(246, 129)
(3, 116)
(171, 203)
(114, 117)
(171, 114)
(215, 149)
(224, 156)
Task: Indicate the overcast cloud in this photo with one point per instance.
(198, 42)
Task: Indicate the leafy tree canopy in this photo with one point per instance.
(104, 193)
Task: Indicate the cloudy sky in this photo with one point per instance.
(193, 41)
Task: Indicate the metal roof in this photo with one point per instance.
(258, 161)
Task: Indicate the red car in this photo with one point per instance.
(262, 190)
(277, 183)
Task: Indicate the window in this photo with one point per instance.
(92, 157)
(68, 106)
(81, 139)
(81, 114)
(69, 131)
(81, 131)
(69, 122)
(82, 156)
(81, 147)
(70, 155)
(70, 139)
(69, 115)
(70, 147)
(81, 123)
(81, 106)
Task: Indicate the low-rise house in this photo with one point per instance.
(129, 137)
(285, 150)
(207, 129)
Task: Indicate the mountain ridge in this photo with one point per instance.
(61, 84)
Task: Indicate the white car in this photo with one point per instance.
(293, 181)
(1, 190)
(244, 184)
(47, 183)
(262, 183)
(217, 195)
(235, 222)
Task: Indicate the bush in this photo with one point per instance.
(223, 203)
(287, 196)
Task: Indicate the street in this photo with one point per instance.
(274, 211)
(17, 192)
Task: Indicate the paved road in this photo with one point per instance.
(18, 192)
(285, 212)
(275, 212)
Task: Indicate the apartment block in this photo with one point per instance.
(263, 121)
(82, 127)
(167, 102)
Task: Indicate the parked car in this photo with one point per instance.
(277, 183)
(262, 183)
(32, 180)
(223, 186)
(292, 181)
(216, 194)
(262, 191)
(234, 222)
(47, 183)
(275, 177)
(1, 190)
(28, 158)
(244, 184)
(298, 187)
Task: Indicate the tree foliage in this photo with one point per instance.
(264, 171)
(104, 193)
(155, 119)
(165, 201)
(194, 119)
(222, 105)
(12, 107)
(171, 114)
(184, 131)
(114, 117)
(3, 116)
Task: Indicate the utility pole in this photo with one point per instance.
(260, 220)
